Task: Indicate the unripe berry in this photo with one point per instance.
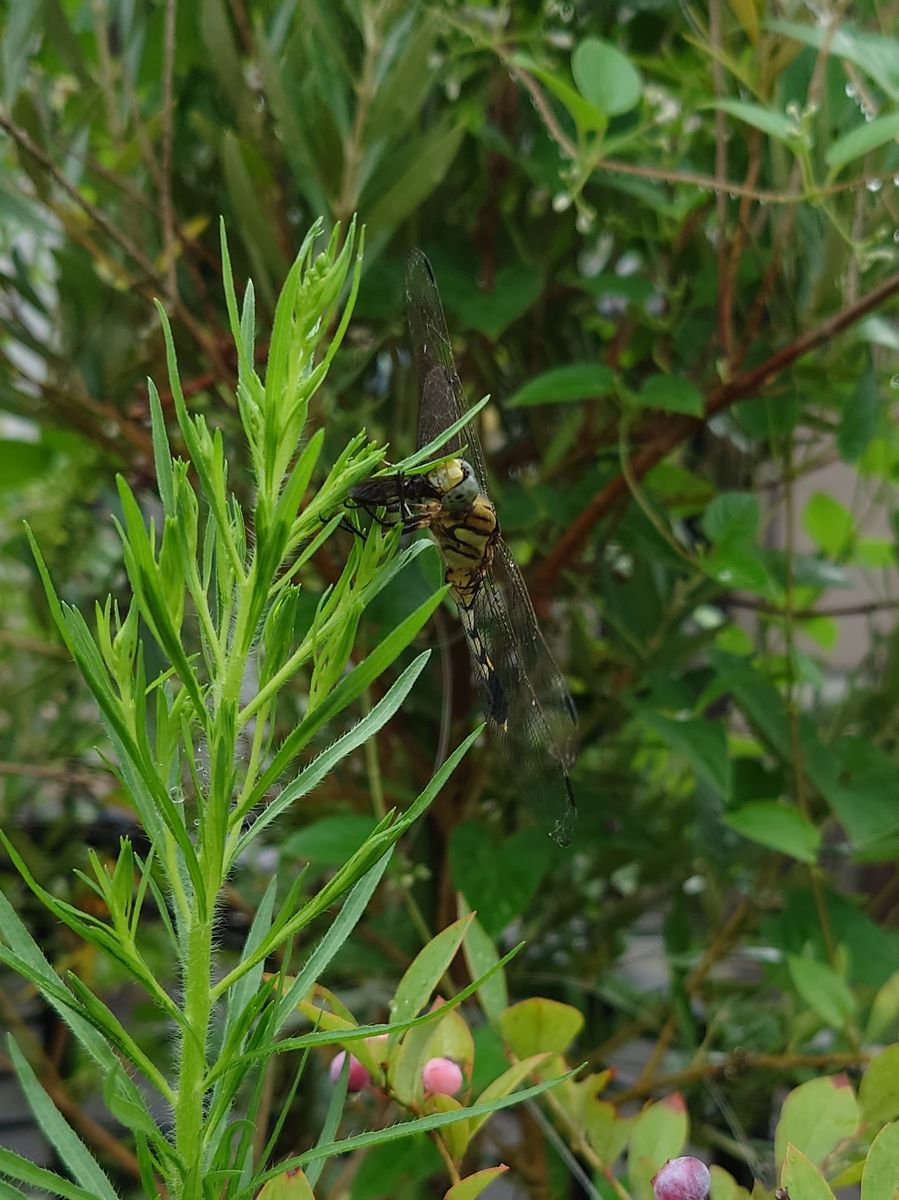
(358, 1077)
(682, 1179)
(441, 1077)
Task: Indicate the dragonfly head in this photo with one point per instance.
(458, 485)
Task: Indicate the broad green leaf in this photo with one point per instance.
(828, 524)
(515, 289)
(875, 553)
(537, 1025)
(22, 462)
(329, 841)
(878, 1092)
(498, 878)
(816, 1117)
(471, 1186)
(777, 826)
(776, 124)
(605, 77)
(659, 1133)
(451, 1038)
(801, 1178)
(737, 564)
(880, 1177)
(884, 1010)
(673, 394)
(724, 1186)
(607, 1131)
(757, 697)
(562, 385)
(732, 517)
(862, 140)
(822, 989)
(702, 743)
(456, 1136)
(290, 1185)
(861, 415)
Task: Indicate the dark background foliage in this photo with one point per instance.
(666, 239)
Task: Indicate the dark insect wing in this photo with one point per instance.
(524, 695)
(537, 738)
(442, 399)
(545, 680)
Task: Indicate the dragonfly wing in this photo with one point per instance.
(539, 666)
(442, 399)
(525, 698)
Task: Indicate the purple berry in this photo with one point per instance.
(358, 1077)
(682, 1179)
(441, 1077)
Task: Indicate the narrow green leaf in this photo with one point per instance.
(822, 989)
(861, 416)
(426, 970)
(429, 159)
(14, 1166)
(769, 120)
(862, 140)
(68, 1145)
(394, 1133)
(481, 957)
(874, 53)
(586, 116)
(313, 774)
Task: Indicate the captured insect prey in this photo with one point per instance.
(527, 704)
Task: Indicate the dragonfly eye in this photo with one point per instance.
(460, 498)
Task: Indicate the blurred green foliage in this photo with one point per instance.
(666, 239)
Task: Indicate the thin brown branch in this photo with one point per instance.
(737, 1063)
(679, 429)
(46, 771)
(865, 609)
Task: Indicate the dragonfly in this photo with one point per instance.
(528, 706)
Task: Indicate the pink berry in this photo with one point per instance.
(358, 1077)
(682, 1179)
(441, 1077)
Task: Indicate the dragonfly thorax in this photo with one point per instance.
(457, 484)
